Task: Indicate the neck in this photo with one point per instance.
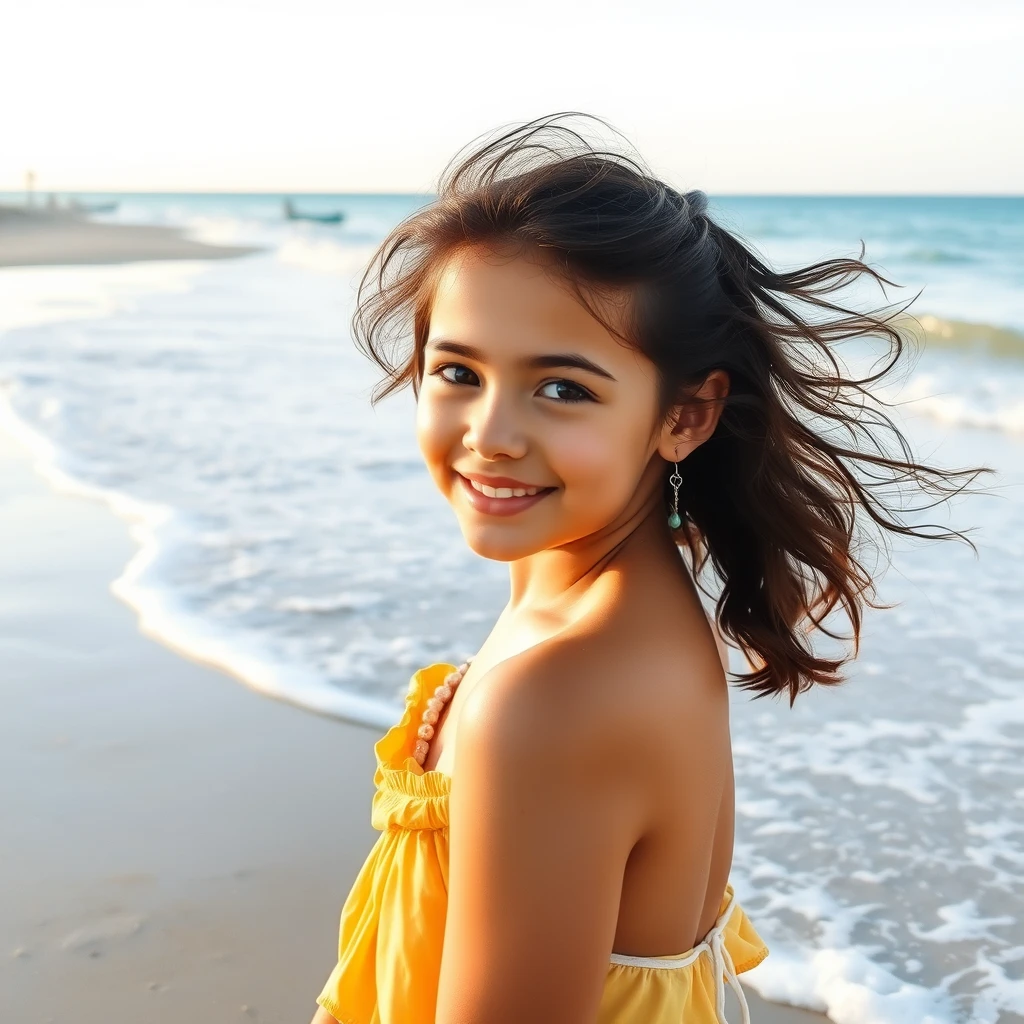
(551, 584)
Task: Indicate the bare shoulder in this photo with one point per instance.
(534, 711)
(607, 705)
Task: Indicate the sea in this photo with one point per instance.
(289, 533)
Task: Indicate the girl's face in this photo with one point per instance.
(536, 423)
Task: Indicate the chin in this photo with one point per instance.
(499, 544)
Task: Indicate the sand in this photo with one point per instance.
(39, 238)
(175, 847)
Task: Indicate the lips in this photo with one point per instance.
(501, 495)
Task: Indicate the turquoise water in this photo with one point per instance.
(290, 533)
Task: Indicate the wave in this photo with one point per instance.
(958, 411)
(936, 332)
(848, 986)
(938, 256)
(159, 530)
(30, 296)
(324, 256)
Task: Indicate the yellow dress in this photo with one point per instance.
(392, 923)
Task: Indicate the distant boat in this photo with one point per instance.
(321, 218)
(105, 207)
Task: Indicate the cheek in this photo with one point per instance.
(591, 460)
(436, 433)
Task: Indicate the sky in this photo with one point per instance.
(799, 97)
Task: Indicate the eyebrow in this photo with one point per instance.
(555, 360)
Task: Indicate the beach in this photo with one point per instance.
(181, 845)
(37, 237)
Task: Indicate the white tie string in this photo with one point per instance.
(722, 964)
(725, 971)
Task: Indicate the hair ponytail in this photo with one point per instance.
(774, 503)
(775, 498)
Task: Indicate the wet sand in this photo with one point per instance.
(42, 238)
(176, 847)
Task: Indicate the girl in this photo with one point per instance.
(612, 390)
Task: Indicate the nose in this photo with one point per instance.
(494, 429)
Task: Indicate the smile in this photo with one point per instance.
(504, 492)
(501, 501)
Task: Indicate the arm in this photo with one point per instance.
(539, 835)
(322, 1017)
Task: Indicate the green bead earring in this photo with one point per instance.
(675, 480)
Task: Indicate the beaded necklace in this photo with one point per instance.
(432, 710)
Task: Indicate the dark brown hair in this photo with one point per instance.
(772, 498)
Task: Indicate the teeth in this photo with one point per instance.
(504, 492)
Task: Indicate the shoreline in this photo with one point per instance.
(38, 238)
(183, 843)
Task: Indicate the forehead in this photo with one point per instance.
(486, 297)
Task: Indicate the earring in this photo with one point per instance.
(675, 480)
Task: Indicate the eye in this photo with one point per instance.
(455, 373)
(566, 391)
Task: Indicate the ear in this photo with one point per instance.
(689, 424)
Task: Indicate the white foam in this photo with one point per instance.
(999, 994)
(38, 295)
(963, 394)
(778, 828)
(344, 602)
(323, 255)
(847, 986)
(986, 723)
(875, 877)
(956, 410)
(961, 922)
(157, 530)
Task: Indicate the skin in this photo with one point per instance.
(588, 744)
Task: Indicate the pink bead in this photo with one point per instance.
(452, 679)
(420, 752)
(431, 715)
(425, 732)
(443, 692)
(463, 667)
